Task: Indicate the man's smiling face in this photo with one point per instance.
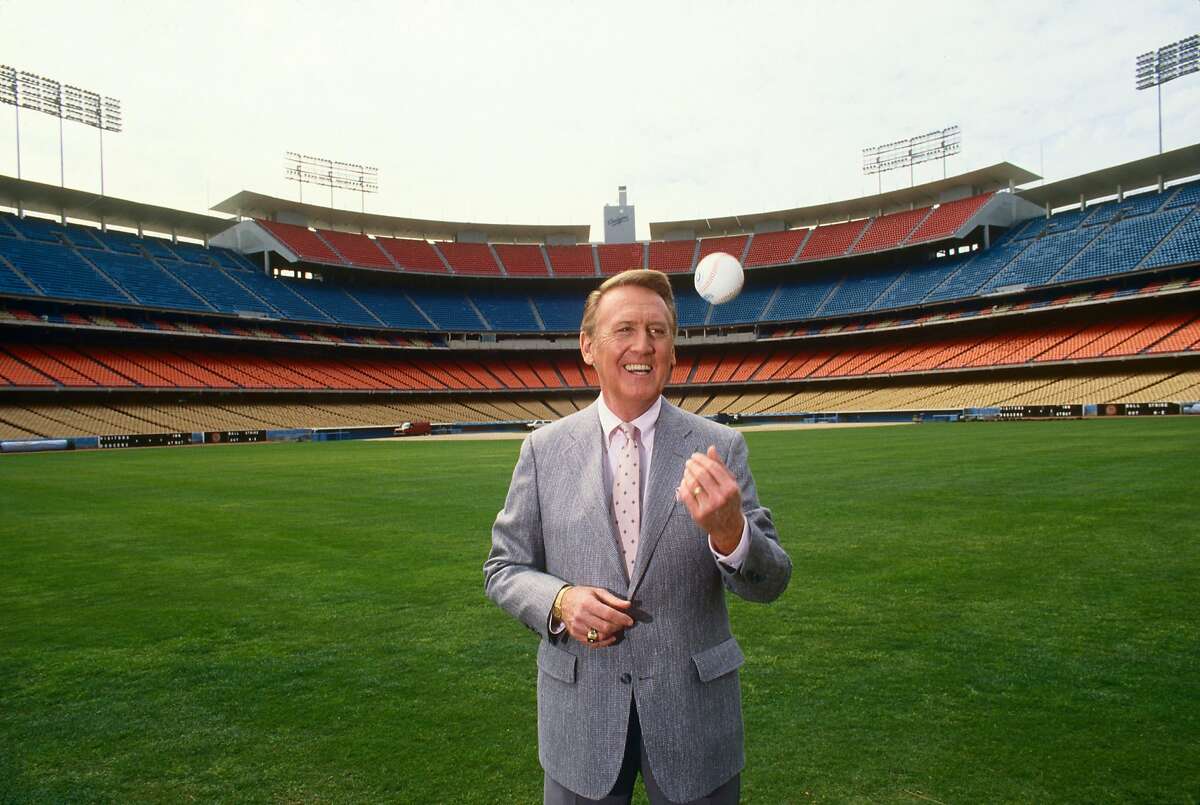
(632, 348)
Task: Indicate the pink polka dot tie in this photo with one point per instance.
(626, 495)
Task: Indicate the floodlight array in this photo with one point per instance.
(331, 173)
(913, 151)
(1168, 62)
(40, 94)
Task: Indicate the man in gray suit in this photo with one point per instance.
(623, 526)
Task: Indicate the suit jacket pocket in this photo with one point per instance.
(556, 663)
(718, 660)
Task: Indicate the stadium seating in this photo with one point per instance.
(945, 220)
(831, 240)
(469, 258)
(59, 271)
(672, 256)
(414, 255)
(522, 260)
(306, 243)
(617, 257)
(571, 261)
(775, 248)
(358, 250)
(733, 244)
(888, 231)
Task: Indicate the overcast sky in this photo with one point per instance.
(534, 112)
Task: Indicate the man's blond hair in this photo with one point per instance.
(643, 278)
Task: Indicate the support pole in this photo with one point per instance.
(1159, 88)
(17, 113)
(62, 163)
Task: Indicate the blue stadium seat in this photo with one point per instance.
(798, 300)
(82, 237)
(146, 282)
(119, 241)
(280, 296)
(157, 247)
(1064, 221)
(1031, 228)
(38, 228)
(917, 282)
(10, 282)
(691, 309)
(59, 271)
(1141, 204)
(1183, 245)
(192, 253)
(6, 230)
(978, 269)
(510, 312)
(334, 301)
(1187, 195)
(858, 293)
(746, 308)
(449, 310)
(1041, 260)
(560, 312)
(392, 307)
(1122, 246)
(227, 258)
(217, 288)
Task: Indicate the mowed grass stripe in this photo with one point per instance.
(993, 612)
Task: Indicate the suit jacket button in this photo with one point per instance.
(626, 679)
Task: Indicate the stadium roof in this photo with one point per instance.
(994, 177)
(256, 205)
(82, 205)
(1164, 167)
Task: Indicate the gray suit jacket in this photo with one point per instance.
(679, 660)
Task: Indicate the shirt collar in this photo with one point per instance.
(644, 423)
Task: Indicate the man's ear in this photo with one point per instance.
(585, 347)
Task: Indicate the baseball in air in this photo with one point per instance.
(718, 278)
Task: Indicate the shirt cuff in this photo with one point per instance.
(738, 555)
(557, 627)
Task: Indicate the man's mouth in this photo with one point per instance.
(637, 368)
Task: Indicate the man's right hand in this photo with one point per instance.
(587, 608)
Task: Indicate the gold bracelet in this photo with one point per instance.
(556, 608)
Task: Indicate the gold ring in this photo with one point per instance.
(593, 635)
(696, 492)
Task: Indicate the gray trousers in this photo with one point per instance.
(554, 793)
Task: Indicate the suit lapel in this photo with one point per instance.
(591, 455)
(666, 468)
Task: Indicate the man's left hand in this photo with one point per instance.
(713, 498)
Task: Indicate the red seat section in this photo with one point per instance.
(890, 230)
(775, 248)
(521, 260)
(413, 255)
(733, 244)
(947, 218)
(358, 249)
(572, 261)
(618, 257)
(469, 258)
(303, 241)
(672, 256)
(831, 240)
(17, 373)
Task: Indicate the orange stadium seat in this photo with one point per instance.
(522, 260)
(413, 255)
(572, 261)
(358, 250)
(469, 258)
(672, 256)
(831, 240)
(890, 230)
(301, 240)
(732, 244)
(18, 373)
(775, 248)
(617, 257)
(946, 219)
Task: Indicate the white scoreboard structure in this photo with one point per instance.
(619, 225)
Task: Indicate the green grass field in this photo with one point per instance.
(980, 613)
